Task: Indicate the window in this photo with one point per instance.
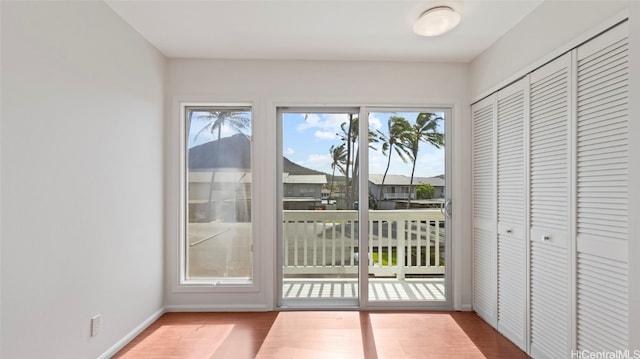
(217, 199)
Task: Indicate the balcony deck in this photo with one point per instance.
(380, 289)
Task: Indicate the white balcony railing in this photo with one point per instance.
(391, 196)
(401, 242)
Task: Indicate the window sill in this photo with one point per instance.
(215, 286)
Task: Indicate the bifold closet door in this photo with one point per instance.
(484, 210)
(602, 192)
(550, 203)
(511, 208)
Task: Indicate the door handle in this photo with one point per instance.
(446, 209)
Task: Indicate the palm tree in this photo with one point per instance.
(351, 171)
(350, 137)
(424, 130)
(216, 120)
(398, 128)
(338, 157)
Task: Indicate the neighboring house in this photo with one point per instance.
(302, 191)
(234, 185)
(303, 185)
(396, 187)
(235, 182)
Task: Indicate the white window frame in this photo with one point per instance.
(182, 284)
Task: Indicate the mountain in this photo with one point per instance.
(237, 154)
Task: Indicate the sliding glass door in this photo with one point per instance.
(406, 241)
(362, 207)
(319, 245)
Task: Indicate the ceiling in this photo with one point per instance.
(317, 29)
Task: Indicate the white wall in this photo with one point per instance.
(82, 179)
(271, 83)
(552, 25)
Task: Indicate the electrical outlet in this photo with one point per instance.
(95, 324)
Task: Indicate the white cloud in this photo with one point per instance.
(377, 157)
(325, 124)
(374, 123)
(328, 125)
(376, 168)
(227, 131)
(431, 162)
(311, 121)
(289, 151)
(318, 162)
(334, 120)
(325, 135)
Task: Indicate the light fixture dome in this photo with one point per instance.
(436, 21)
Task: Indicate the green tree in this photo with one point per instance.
(216, 120)
(338, 158)
(424, 130)
(425, 191)
(373, 204)
(397, 129)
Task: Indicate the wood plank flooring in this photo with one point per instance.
(320, 334)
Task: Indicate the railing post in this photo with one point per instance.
(436, 256)
(400, 247)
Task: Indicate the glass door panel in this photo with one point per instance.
(319, 237)
(406, 229)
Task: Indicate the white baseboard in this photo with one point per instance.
(466, 308)
(216, 308)
(134, 333)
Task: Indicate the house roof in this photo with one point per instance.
(234, 176)
(402, 180)
(304, 179)
(222, 176)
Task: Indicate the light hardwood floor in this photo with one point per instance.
(320, 334)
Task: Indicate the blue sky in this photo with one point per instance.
(199, 120)
(307, 142)
(308, 137)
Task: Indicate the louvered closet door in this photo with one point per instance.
(549, 131)
(512, 269)
(484, 210)
(602, 165)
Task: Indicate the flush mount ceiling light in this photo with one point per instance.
(436, 21)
